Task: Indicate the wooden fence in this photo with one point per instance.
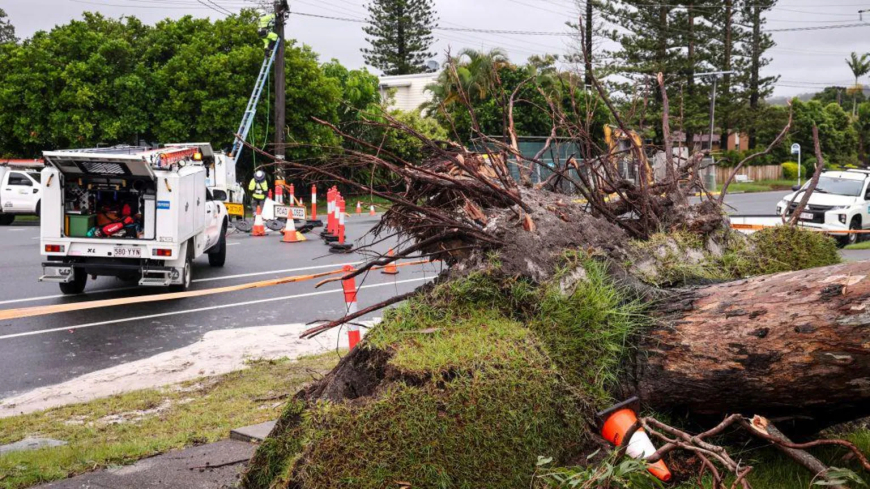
(756, 173)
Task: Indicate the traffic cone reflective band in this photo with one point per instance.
(372, 210)
(391, 268)
(314, 202)
(639, 447)
(358, 207)
(341, 221)
(259, 228)
(279, 191)
(291, 235)
(349, 286)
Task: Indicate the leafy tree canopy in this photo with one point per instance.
(107, 81)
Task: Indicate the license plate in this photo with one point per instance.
(807, 216)
(234, 209)
(127, 252)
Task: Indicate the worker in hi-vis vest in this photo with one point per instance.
(258, 187)
(267, 32)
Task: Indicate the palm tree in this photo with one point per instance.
(475, 76)
(860, 66)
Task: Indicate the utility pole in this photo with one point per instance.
(281, 11)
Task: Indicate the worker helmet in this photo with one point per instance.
(260, 175)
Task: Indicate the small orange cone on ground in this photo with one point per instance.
(372, 210)
(291, 235)
(358, 207)
(639, 447)
(259, 228)
(391, 268)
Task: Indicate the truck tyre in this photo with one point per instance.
(218, 256)
(851, 239)
(186, 274)
(6, 219)
(77, 286)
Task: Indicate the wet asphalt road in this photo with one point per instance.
(46, 350)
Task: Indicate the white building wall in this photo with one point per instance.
(410, 90)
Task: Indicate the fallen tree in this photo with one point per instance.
(550, 310)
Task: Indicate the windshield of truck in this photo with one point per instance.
(838, 186)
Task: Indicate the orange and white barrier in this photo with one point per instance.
(259, 228)
(350, 292)
(279, 191)
(640, 446)
(313, 202)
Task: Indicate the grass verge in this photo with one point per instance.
(761, 186)
(864, 245)
(125, 428)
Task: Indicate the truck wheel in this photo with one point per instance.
(77, 286)
(218, 257)
(7, 219)
(186, 274)
(853, 238)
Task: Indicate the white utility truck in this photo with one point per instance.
(841, 202)
(136, 213)
(20, 190)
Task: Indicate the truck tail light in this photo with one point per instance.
(54, 248)
(162, 252)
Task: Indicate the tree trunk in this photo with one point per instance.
(587, 44)
(755, 67)
(792, 344)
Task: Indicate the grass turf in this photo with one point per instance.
(125, 428)
(761, 186)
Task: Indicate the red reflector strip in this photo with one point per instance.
(54, 248)
(162, 252)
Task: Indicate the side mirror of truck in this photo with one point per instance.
(795, 187)
(219, 195)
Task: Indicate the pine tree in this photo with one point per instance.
(400, 34)
(7, 30)
(668, 38)
(757, 86)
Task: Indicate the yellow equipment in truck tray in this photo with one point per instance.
(234, 209)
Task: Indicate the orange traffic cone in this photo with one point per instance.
(259, 228)
(291, 235)
(372, 210)
(358, 207)
(639, 447)
(391, 268)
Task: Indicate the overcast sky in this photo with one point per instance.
(807, 60)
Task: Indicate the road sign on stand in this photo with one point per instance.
(285, 211)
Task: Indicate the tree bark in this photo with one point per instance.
(792, 344)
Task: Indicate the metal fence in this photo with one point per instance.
(557, 154)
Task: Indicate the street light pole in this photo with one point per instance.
(714, 76)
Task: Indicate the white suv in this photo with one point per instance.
(840, 202)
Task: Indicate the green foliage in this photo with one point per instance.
(400, 34)
(589, 327)
(837, 136)
(627, 474)
(7, 30)
(405, 146)
(790, 170)
(788, 248)
(100, 81)
(488, 79)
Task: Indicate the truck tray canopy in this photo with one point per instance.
(118, 161)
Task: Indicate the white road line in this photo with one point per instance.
(272, 272)
(202, 309)
(46, 297)
(233, 244)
